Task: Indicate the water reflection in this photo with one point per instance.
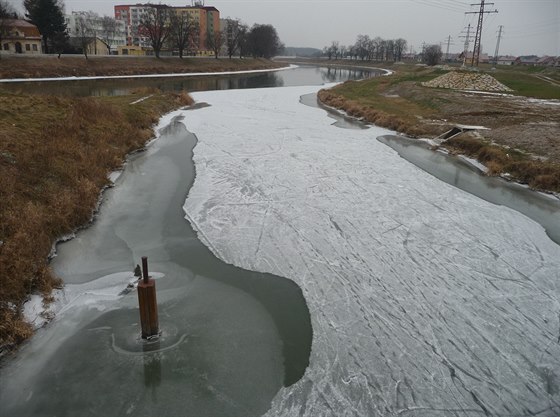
(331, 75)
(116, 87)
(152, 364)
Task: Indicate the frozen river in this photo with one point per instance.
(423, 300)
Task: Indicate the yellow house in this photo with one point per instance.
(20, 37)
(134, 50)
(94, 45)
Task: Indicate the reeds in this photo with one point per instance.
(519, 166)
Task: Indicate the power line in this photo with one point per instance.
(498, 45)
(441, 6)
(478, 36)
(467, 38)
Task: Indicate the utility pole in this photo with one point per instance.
(498, 45)
(467, 43)
(478, 36)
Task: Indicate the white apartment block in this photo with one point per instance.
(96, 28)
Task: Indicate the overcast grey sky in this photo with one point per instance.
(530, 26)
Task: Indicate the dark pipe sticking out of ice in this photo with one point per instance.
(147, 303)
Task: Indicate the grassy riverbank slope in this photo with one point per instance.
(55, 154)
(42, 66)
(523, 136)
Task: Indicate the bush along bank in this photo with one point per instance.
(508, 163)
(55, 156)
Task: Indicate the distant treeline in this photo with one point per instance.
(366, 48)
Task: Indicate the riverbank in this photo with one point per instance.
(21, 66)
(521, 140)
(55, 156)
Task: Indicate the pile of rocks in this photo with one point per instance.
(465, 80)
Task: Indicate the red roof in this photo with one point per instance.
(28, 29)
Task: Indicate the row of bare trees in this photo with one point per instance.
(169, 28)
(366, 48)
(259, 41)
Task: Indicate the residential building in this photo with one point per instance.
(20, 37)
(206, 17)
(93, 45)
(482, 58)
(547, 61)
(208, 20)
(527, 60)
(134, 50)
(506, 60)
(105, 39)
(131, 16)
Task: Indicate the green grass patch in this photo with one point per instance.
(526, 84)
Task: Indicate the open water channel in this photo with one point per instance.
(231, 338)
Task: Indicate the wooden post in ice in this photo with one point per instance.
(148, 303)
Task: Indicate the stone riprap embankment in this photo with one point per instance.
(463, 80)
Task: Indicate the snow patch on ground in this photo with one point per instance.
(97, 294)
(424, 299)
(118, 77)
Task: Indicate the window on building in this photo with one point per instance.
(27, 47)
(6, 47)
(35, 47)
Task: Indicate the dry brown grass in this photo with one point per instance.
(21, 66)
(371, 115)
(539, 175)
(55, 154)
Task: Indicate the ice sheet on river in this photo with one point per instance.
(424, 300)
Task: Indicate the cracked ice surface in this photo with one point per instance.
(424, 300)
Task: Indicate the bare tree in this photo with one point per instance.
(352, 52)
(432, 55)
(154, 24)
(243, 42)
(215, 41)
(233, 35)
(361, 45)
(400, 47)
(333, 51)
(109, 30)
(390, 50)
(85, 32)
(183, 30)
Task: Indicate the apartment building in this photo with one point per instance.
(206, 17)
(208, 21)
(132, 15)
(99, 31)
